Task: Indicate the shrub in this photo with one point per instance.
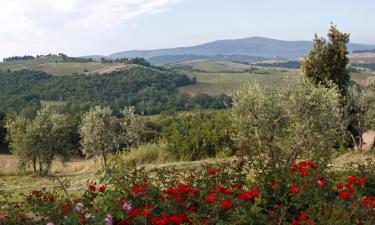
(198, 135)
(277, 126)
(211, 194)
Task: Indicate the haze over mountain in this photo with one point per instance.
(249, 49)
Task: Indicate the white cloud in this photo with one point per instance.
(38, 25)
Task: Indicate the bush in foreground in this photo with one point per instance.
(210, 194)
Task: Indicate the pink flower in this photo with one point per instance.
(50, 223)
(108, 219)
(126, 207)
(79, 207)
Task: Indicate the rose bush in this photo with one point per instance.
(211, 194)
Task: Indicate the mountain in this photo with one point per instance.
(253, 46)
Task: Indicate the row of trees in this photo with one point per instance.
(38, 141)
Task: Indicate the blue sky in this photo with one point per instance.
(82, 27)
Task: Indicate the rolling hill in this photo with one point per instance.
(248, 47)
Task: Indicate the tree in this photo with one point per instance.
(131, 129)
(3, 133)
(198, 135)
(39, 140)
(361, 112)
(275, 127)
(327, 61)
(98, 135)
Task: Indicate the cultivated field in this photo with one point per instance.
(215, 77)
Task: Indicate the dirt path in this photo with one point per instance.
(108, 69)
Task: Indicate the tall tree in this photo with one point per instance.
(98, 135)
(327, 60)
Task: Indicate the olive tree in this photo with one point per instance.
(131, 129)
(277, 126)
(361, 103)
(98, 135)
(39, 140)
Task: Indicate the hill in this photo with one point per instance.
(253, 46)
(58, 66)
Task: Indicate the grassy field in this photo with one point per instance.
(55, 66)
(226, 77)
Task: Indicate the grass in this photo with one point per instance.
(55, 66)
(215, 77)
(219, 83)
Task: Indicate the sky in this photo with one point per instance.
(86, 27)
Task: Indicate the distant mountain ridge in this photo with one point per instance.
(253, 46)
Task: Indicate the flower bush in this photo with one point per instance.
(211, 194)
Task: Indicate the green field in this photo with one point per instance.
(55, 66)
(226, 77)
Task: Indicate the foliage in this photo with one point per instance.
(150, 90)
(361, 110)
(3, 133)
(327, 61)
(40, 139)
(277, 126)
(98, 135)
(102, 133)
(198, 135)
(288, 64)
(211, 194)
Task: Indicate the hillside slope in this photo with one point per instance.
(254, 46)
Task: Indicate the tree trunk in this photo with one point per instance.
(34, 164)
(40, 165)
(104, 161)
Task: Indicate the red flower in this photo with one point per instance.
(171, 191)
(361, 181)
(192, 208)
(302, 216)
(275, 186)
(350, 188)
(223, 190)
(295, 222)
(294, 189)
(211, 198)
(303, 171)
(134, 212)
(137, 189)
(226, 204)
(344, 195)
(147, 210)
(351, 179)
(102, 188)
(302, 163)
(157, 221)
(177, 219)
(244, 196)
(312, 165)
(238, 186)
(321, 182)
(183, 188)
(368, 200)
(339, 186)
(248, 195)
(212, 171)
(293, 168)
(92, 186)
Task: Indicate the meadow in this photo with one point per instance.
(224, 77)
